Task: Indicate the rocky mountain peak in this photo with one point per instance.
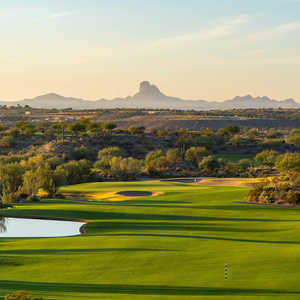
(148, 90)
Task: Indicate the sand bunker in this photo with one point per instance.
(135, 193)
(116, 196)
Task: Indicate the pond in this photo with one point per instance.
(19, 227)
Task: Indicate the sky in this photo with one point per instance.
(193, 49)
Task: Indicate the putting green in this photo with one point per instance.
(172, 246)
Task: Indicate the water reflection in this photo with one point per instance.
(2, 225)
(18, 227)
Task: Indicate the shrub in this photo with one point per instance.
(196, 154)
(7, 141)
(80, 153)
(21, 295)
(156, 162)
(110, 152)
(136, 130)
(267, 158)
(288, 163)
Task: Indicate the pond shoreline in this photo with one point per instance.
(82, 229)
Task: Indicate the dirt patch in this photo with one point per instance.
(135, 193)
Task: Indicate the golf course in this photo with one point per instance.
(156, 240)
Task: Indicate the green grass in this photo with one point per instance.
(235, 158)
(173, 246)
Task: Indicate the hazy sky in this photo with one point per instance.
(195, 49)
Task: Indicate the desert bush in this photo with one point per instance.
(7, 141)
(21, 295)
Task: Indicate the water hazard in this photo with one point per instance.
(18, 227)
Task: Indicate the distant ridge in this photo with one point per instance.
(150, 97)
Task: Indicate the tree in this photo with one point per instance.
(209, 164)
(2, 127)
(74, 171)
(7, 141)
(128, 168)
(94, 129)
(103, 166)
(58, 129)
(25, 127)
(173, 156)
(110, 152)
(245, 163)
(196, 154)
(50, 180)
(156, 162)
(236, 140)
(32, 182)
(108, 127)
(294, 138)
(80, 153)
(266, 158)
(252, 133)
(77, 127)
(33, 162)
(136, 130)
(288, 163)
(11, 180)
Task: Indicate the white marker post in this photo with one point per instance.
(226, 272)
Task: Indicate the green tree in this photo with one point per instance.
(173, 156)
(266, 158)
(25, 127)
(7, 141)
(74, 171)
(232, 130)
(95, 129)
(32, 182)
(108, 127)
(79, 153)
(11, 180)
(156, 162)
(136, 130)
(209, 164)
(50, 180)
(196, 154)
(3, 127)
(288, 163)
(245, 163)
(128, 168)
(110, 152)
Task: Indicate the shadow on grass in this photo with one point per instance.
(168, 226)
(137, 289)
(102, 215)
(237, 207)
(77, 251)
(202, 238)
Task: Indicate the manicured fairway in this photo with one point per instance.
(172, 246)
(235, 158)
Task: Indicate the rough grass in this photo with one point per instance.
(173, 246)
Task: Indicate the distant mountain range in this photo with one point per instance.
(150, 97)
